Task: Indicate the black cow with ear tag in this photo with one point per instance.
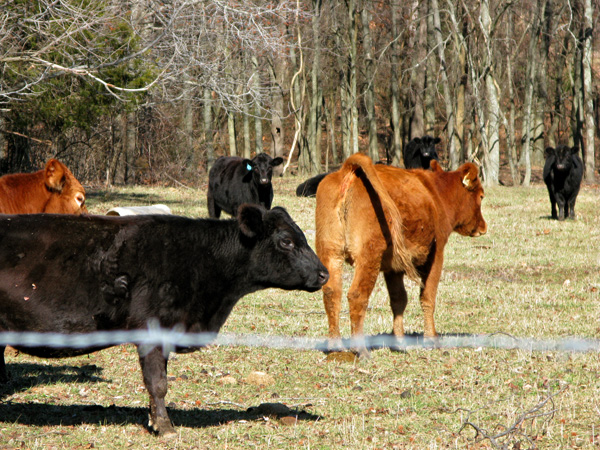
(233, 180)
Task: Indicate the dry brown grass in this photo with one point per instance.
(528, 277)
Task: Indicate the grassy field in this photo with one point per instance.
(528, 277)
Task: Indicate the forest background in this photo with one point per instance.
(153, 91)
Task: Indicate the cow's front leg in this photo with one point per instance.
(562, 204)
(332, 299)
(431, 279)
(154, 371)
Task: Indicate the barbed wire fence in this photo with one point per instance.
(171, 338)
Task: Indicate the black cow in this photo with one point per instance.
(419, 152)
(79, 274)
(563, 172)
(233, 181)
(309, 187)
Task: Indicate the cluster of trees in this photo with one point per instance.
(154, 90)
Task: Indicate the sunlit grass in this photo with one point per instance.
(528, 277)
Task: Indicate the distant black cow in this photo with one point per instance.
(233, 181)
(309, 187)
(563, 172)
(79, 274)
(420, 151)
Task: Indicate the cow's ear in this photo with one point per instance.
(549, 151)
(574, 150)
(250, 219)
(435, 166)
(248, 164)
(469, 173)
(276, 161)
(437, 140)
(55, 175)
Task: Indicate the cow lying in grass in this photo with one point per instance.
(80, 274)
(51, 190)
(384, 219)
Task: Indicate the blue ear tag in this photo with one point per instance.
(249, 167)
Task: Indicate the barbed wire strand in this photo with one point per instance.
(170, 339)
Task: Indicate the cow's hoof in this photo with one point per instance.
(334, 345)
(162, 427)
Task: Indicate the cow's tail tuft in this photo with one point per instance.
(402, 256)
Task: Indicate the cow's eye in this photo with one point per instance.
(287, 244)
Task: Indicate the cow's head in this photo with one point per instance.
(563, 156)
(280, 255)
(427, 146)
(261, 167)
(467, 204)
(67, 194)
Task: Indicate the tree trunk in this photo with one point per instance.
(417, 80)
(231, 133)
(491, 165)
(395, 149)
(352, 72)
(130, 141)
(314, 124)
(246, 131)
(445, 83)
(430, 72)
(460, 45)
(510, 127)
(188, 130)
(370, 82)
(330, 111)
(208, 132)
(577, 109)
(346, 115)
(277, 130)
(258, 131)
(588, 99)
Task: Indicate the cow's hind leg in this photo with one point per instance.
(365, 276)
(570, 212)
(154, 371)
(398, 301)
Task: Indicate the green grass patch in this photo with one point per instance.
(528, 277)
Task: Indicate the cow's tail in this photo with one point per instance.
(402, 257)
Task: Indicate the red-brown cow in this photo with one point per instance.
(381, 218)
(51, 190)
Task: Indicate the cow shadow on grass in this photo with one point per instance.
(47, 414)
(24, 376)
(386, 341)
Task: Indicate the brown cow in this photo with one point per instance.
(51, 190)
(384, 219)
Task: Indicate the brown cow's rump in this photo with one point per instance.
(396, 221)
